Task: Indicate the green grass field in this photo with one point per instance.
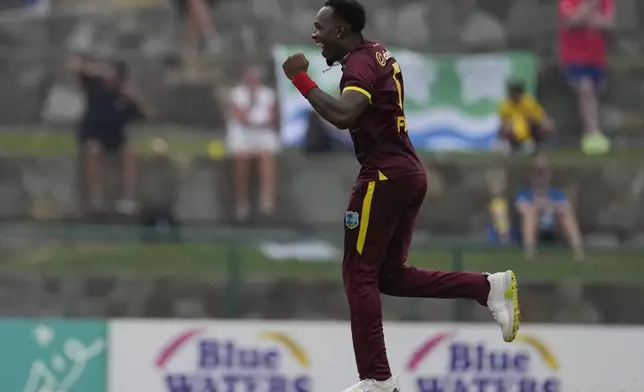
(221, 262)
(186, 146)
(183, 147)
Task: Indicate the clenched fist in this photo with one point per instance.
(295, 64)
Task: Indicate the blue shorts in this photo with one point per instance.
(577, 72)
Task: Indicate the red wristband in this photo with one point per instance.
(303, 83)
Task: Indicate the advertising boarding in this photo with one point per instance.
(222, 356)
(42, 355)
(261, 356)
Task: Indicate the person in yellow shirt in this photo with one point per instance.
(524, 123)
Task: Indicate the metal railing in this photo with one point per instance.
(232, 256)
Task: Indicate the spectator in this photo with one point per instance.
(323, 137)
(545, 212)
(524, 123)
(252, 132)
(111, 104)
(499, 230)
(582, 46)
(196, 18)
(159, 192)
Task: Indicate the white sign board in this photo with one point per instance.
(261, 356)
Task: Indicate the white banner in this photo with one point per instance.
(261, 356)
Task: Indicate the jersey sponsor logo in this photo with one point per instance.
(382, 57)
(351, 219)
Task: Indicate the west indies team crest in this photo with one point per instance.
(351, 219)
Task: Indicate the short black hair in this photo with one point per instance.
(351, 11)
(516, 86)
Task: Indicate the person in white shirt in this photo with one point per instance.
(252, 132)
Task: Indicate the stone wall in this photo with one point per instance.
(313, 191)
(33, 295)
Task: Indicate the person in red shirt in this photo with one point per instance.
(582, 50)
(388, 194)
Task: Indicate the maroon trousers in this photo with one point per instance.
(379, 224)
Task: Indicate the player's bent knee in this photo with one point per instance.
(386, 287)
(356, 277)
(388, 283)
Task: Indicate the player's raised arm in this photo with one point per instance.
(341, 112)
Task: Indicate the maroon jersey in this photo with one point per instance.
(379, 135)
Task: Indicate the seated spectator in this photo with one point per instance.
(524, 124)
(111, 104)
(158, 195)
(499, 229)
(545, 213)
(323, 137)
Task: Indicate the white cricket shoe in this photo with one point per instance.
(369, 385)
(503, 302)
